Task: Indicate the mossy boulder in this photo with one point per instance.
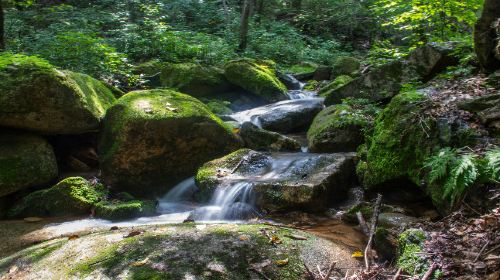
(403, 138)
(340, 128)
(339, 82)
(153, 139)
(25, 161)
(263, 140)
(410, 246)
(380, 84)
(384, 82)
(345, 66)
(194, 79)
(257, 77)
(36, 96)
(122, 210)
(187, 251)
(218, 107)
(282, 181)
(71, 196)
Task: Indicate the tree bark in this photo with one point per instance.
(245, 20)
(485, 36)
(2, 27)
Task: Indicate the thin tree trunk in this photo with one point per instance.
(259, 10)
(226, 12)
(245, 20)
(2, 27)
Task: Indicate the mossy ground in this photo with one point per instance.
(410, 249)
(175, 252)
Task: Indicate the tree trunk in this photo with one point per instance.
(485, 36)
(226, 12)
(259, 10)
(245, 20)
(2, 27)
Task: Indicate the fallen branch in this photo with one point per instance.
(373, 227)
(429, 272)
(482, 250)
(311, 275)
(330, 271)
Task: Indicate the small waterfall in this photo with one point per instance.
(231, 201)
(178, 199)
(299, 93)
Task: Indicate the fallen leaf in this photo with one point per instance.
(357, 254)
(244, 237)
(296, 237)
(140, 263)
(33, 219)
(132, 234)
(73, 237)
(275, 240)
(281, 262)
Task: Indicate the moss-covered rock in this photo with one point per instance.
(339, 82)
(403, 138)
(178, 252)
(25, 161)
(194, 79)
(345, 66)
(154, 139)
(282, 181)
(36, 96)
(121, 210)
(263, 140)
(410, 246)
(71, 196)
(340, 128)
(258, 77)
(218, 107)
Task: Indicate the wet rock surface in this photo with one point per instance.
(285, 116)
(259, 139)
(282, 181)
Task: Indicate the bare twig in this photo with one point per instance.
(320, 272)
(373, 227)
(482, 250)
(330, 271)
(396, 276)
(311, 275)
(429, 272)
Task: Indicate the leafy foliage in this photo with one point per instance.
(456, 171)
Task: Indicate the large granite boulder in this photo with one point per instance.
(38, 97)
(154, 139)
(487, 108)
(340, 128)
(386, 81)
(282, 181)
(257, 77)
(194, 79)
(284, 117)
(71, 196)
(259, 139)
(26, 161)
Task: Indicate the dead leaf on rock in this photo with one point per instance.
(281, 262)
(140, 263)
(275, 240)
(296, 237)
(244, 237)
(132, 234)
(73, 237)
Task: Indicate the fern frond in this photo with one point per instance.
(463, 174)
(492, 165)
(438, 165)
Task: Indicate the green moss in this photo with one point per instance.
(339, 82)
(59, 102)
(346, 66)
(25, 161)
(301, 68)
(340, 127)
(219, 107)
(410, 245)
(73, 195)
(193, 79)
(118, 210)
(312, 85)
(257, 77)
(403, 138)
